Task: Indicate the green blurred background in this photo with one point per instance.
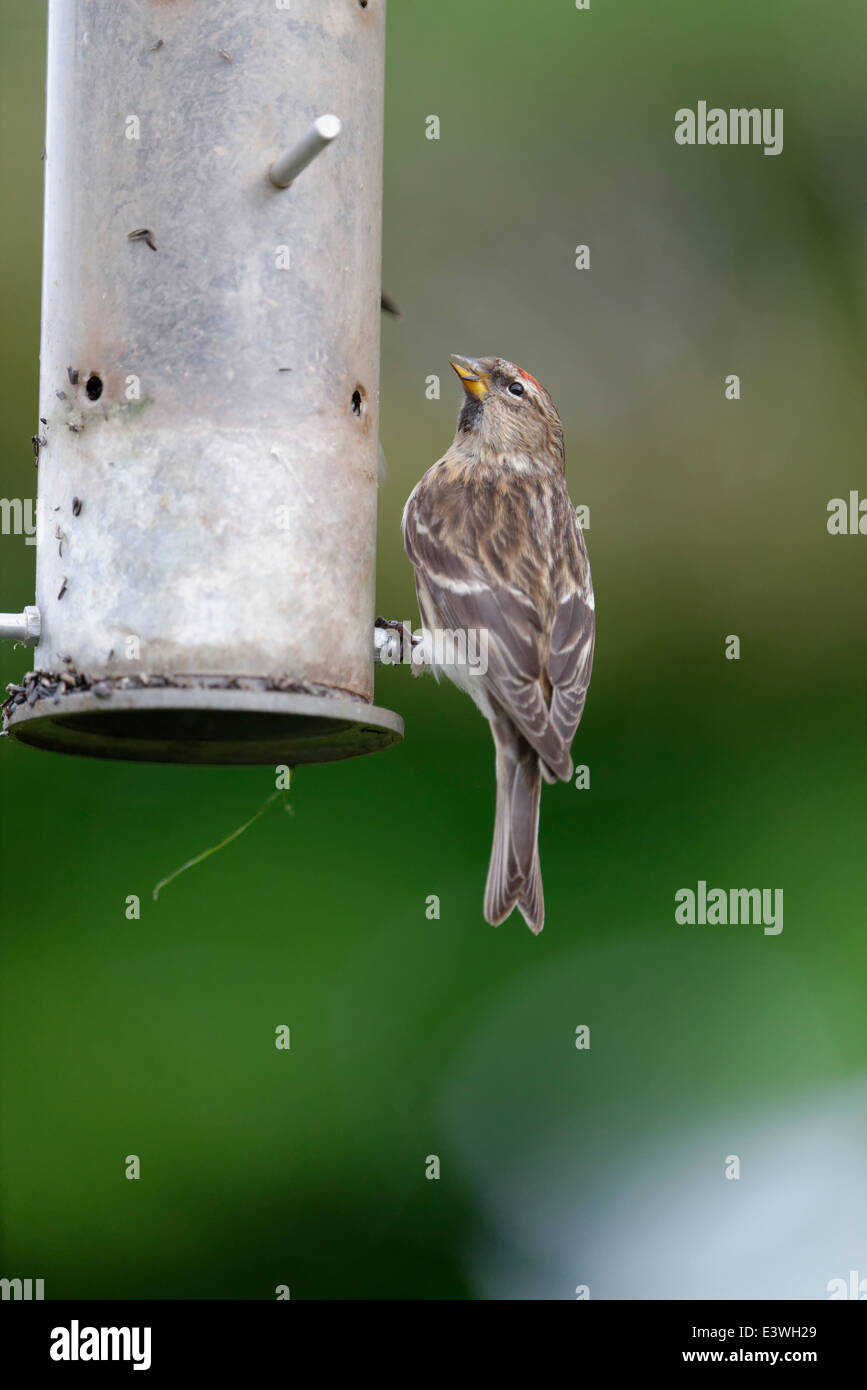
(413, 1037)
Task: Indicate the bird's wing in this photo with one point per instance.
(570, 654)
(469, 596)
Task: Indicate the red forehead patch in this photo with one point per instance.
(528, 377)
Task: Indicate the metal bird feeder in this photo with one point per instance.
(209, 383)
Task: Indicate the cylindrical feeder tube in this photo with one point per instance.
(209, 378)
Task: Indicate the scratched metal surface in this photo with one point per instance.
(225, 519)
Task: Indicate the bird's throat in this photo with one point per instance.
(470, 417)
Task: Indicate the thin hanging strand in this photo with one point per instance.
(206, 853)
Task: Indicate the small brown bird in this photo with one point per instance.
(497, 549)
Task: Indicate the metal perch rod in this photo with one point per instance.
(285, 170)
(21, 627)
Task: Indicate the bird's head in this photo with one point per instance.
(507, 416)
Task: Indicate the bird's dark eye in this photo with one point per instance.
(516, 388)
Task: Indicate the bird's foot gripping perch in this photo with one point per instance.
(395, 644)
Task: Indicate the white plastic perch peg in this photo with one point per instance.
(21, 627)
(285, 170)
(209, 392)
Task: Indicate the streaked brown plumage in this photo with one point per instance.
(496, 545)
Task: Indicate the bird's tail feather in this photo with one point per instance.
(514, 876)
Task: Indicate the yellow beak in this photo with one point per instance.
(472, 374)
